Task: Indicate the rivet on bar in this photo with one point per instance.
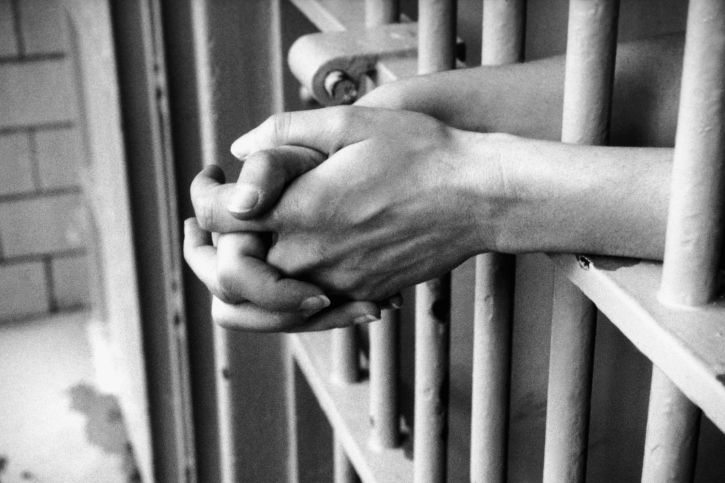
(384, 417)
(591, 49)
(694, 230)
(436, 52)
(502, 43)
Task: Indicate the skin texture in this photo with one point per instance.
(374, 200)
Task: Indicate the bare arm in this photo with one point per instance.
(526, 99)
(505, 193)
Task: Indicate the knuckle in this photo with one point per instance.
(344, 117)
(388, 96)
(226, 287)
(258, 165)
(204, 215)
(219, 313)
(343, 282)
(279, 126)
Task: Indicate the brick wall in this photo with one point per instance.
(43, 262)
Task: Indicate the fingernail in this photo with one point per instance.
(244, 198)
(365, 319)
(316, 303)
(236, 148)
(396, 301)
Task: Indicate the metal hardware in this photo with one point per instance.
(331, 65)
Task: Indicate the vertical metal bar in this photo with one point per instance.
(590, 52)
(570, 375)
(345, 357)
(205, 106)
(224, 405)
(502, 43)
(377, 12)
(436, 35)
(695, 223)
(491, 366)
(381, 12)
(672, 431)
(384, 419)
(591, 49)
(694, 230)
(343, 471)
(432, 346)
(436, 52)
(502, 40)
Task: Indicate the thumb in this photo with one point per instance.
(325, 130)
(264, 176)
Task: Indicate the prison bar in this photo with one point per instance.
(436, 52)
(589, 74)
(694, 231)
(695, 217)
(225, 403)
(493, 312)
(672, 430)
(384, 418)
(502, 38)
(345, 370)
(436, 35)
(345, 357)
(381, 12)
(432, 346)
(502, 43)
(346, 408)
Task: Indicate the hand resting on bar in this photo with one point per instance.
(353, 204)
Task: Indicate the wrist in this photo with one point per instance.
(542, 196)
(519, 194)
(489, 186)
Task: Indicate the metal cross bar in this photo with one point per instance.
(591, 48)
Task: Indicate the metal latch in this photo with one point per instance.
(331, 65)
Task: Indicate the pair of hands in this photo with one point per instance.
(335, 211)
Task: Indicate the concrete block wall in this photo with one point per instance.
(43, 261)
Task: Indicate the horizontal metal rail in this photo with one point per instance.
(346, 407)
(687, 345)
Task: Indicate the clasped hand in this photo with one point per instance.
(345, 204)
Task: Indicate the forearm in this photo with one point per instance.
(568, 198)
(526, 99)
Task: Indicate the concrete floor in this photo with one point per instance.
(55, 425)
